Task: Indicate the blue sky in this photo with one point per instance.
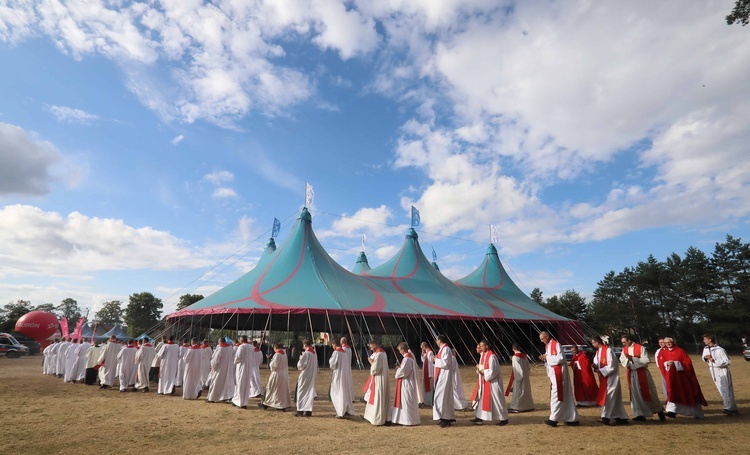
(147, 145)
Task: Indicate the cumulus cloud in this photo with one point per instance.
(37, 242)
(218, 177)
(224, 193)
(374, 222)
(177, 139)
(72, 115)
(26, 162)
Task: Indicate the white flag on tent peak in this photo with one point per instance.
(309, 195)
(364, 237)
(494, 238)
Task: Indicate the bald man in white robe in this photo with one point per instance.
(562, 401)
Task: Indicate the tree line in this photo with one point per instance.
(683, 296)
(142, 312)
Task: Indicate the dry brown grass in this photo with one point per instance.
(45, 415)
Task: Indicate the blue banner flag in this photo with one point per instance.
(434, 255)
(276, 228)
(414, 216)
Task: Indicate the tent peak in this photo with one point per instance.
(305, 215)
(492, 250)
(362, 257)
(271, 244)
(412, 234)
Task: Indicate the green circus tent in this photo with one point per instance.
(300, 284)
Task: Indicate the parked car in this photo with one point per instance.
(10, 347)
(34, 346)
(746, 354)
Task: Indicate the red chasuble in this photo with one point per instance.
(682, 386)
(584, 382)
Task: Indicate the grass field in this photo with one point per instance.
(43, 415)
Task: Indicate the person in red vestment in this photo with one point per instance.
(584, 381)
(684, 395)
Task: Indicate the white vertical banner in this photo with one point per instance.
(494, 238)
(364, 237)
(309, 195)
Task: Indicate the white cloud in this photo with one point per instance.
(177, 139)
(374, 222)
(224, 193)
(72, 115)
(386, 252)
(26, 162)
(218, 177)
(36, 242)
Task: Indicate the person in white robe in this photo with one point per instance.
(490, 399)
(443, 408)
(406, 402)
(459, 396)
(277, 390)
(520, 382)
(192, 385)
(644, 399)
(378, 408)
(108, 361)
(610, 392)
(367, 387)
(126, 362)
(718, 365)
(47, 353)
(243, 359)
(256, 387)
(92, 360)
(346, 367)
(562, 401)
(308, 370)
(153, 374)
(222, 372)
(340, 388)
(81, 351)
(184, 347)
(55, 347)
(71, 362)
(62, 352)
(206, 363)
(168, 357)
(144, 358)
(662, 345)
(427, 380)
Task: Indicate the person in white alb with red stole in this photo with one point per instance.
(490, 399)
(406, 406)
(562, 402)
(308, 369)
(443, 409)
(644, 399)
(610, 393)
(192, 385)
(427, 384)
(340, 382)
(377, 408)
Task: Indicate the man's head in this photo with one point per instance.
(669, 342)
(243, 338)
(307, 344)
(574, 349)
(194, 341)
(278, 346)
(483, 346)
(662, 343)
(544, 337)
(171, 338)
(374, 345)
(112, 338)
(597, 342)
(709, 339)
(344, 341)
(441, 340)
(515, 347)
(335, 344)
(424, 346)
(403, 348)
(626, 340)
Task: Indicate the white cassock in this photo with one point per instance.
(562, 401)
(222, 371)
(721, 375)
(243, 358)
(406, 403)
(168, 357)
(47, 357)
(108, 371)
(378, 407)
(367, 387)
(520, 384)
(427, 381)
(192, 373)
(61, 357)
(644, 399)
(181, 364)
(206, 364)
(144, 358)
(346, 369)
(71, 363)
(443, 407)
(340, 383)
(610, 399)
(81, 351)
(663, 381)
(256, 388)
(277, 390)
(53, 358)
(490, 399)
(308, 369)
(126, 362)
(459, 397)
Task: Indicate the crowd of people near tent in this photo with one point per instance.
(230, 372)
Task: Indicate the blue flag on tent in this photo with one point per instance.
(276, 228)
(434, 255)
(414, 216)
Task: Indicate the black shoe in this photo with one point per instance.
(299, 414)
(727, 412)
(339, 417)
(603, 420)
(502, 423)
(476, 421)
(444, 424)
(572, 424)
(662, 417)
(551, 423)
(145, 390)
(671, 415)
(513, 411)
(122, 391)
(388, 423)
(200, 392)
(308, 413)
(262, 406)
(639, 419)
(621, 421)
